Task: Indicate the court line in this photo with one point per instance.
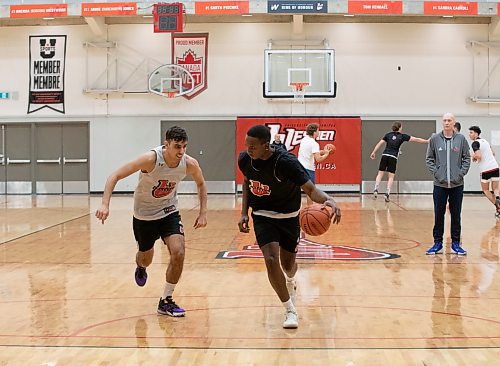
(77, 332)
(43, 229)
(257, 349)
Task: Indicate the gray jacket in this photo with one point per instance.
(448, 160)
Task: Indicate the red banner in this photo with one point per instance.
(221, 7)
(108, 9)
(375, 7)
(38, 11)
(450, 8)
(343, 167)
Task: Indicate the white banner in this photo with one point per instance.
(47, 59)
(190, 50)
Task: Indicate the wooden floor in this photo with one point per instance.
(367, 293)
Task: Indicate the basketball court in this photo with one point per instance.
(367, 293)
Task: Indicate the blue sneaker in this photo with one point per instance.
(141, 276)
(455, 246)
(169, 307)
(436, 248)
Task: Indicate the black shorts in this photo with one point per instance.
(147, 232)
(388, 163)
(490, 175)
(286, 232)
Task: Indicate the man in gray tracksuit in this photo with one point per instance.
(448, 160)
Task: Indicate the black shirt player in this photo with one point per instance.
(273, 180)
(389, 158)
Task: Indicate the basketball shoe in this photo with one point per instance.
(291, 320)
(291, 286)
(386, 197)
(375, 194)
(140, 276)
(455, 246)
(169, 307)
(435, 249)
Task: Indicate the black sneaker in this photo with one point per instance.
(140, 276)
(169, 307)
(386, 197)
(375, 194)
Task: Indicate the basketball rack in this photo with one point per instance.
(298, 90)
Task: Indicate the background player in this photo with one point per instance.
(309, 152)
(273, 180)
(156, 211)
(488, 166)
(389, 159)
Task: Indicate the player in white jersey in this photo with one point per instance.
(156, 213)
(485, 156)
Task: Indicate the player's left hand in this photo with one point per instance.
(336, 213)
(201, 221)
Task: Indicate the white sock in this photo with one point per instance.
(169, 290)
(376, 187)
(289, 279)
(289, 306)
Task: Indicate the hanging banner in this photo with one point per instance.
(108, 9)
(342, 167)
(450, 8)
(47, 60)
(190, 50)
(221, 7)
(374, 7)
(38, 10)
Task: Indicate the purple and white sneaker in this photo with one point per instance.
(169, 307)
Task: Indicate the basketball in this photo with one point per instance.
(331, 148)
(315, 220)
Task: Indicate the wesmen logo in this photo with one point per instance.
(259, 189)
(163, 189)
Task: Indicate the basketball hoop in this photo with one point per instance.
(298, 91)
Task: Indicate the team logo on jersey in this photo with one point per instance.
(308, 249)
(163, 189)
(259, 189)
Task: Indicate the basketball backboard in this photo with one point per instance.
(284, 69)
(171, 81)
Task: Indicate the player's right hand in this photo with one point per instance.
(243, 224)
(372, 156)
(102, 213)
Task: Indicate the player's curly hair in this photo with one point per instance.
(312, 128)
(176, 133)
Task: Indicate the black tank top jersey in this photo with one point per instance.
(394, 141)
(274, 184)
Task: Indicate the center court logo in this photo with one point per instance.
(308, 249)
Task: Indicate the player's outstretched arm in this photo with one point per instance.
(379, 144)
(318, 196)
(243, 223)
(194, 169)
(418, 139)
(145, 162)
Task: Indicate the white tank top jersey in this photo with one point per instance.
(488, 161)
(308, 146)
(156, 194)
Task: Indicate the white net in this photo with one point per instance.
(299, 91)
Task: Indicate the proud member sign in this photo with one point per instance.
(47, 60)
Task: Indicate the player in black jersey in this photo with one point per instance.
(389, 158)
(273, 180)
